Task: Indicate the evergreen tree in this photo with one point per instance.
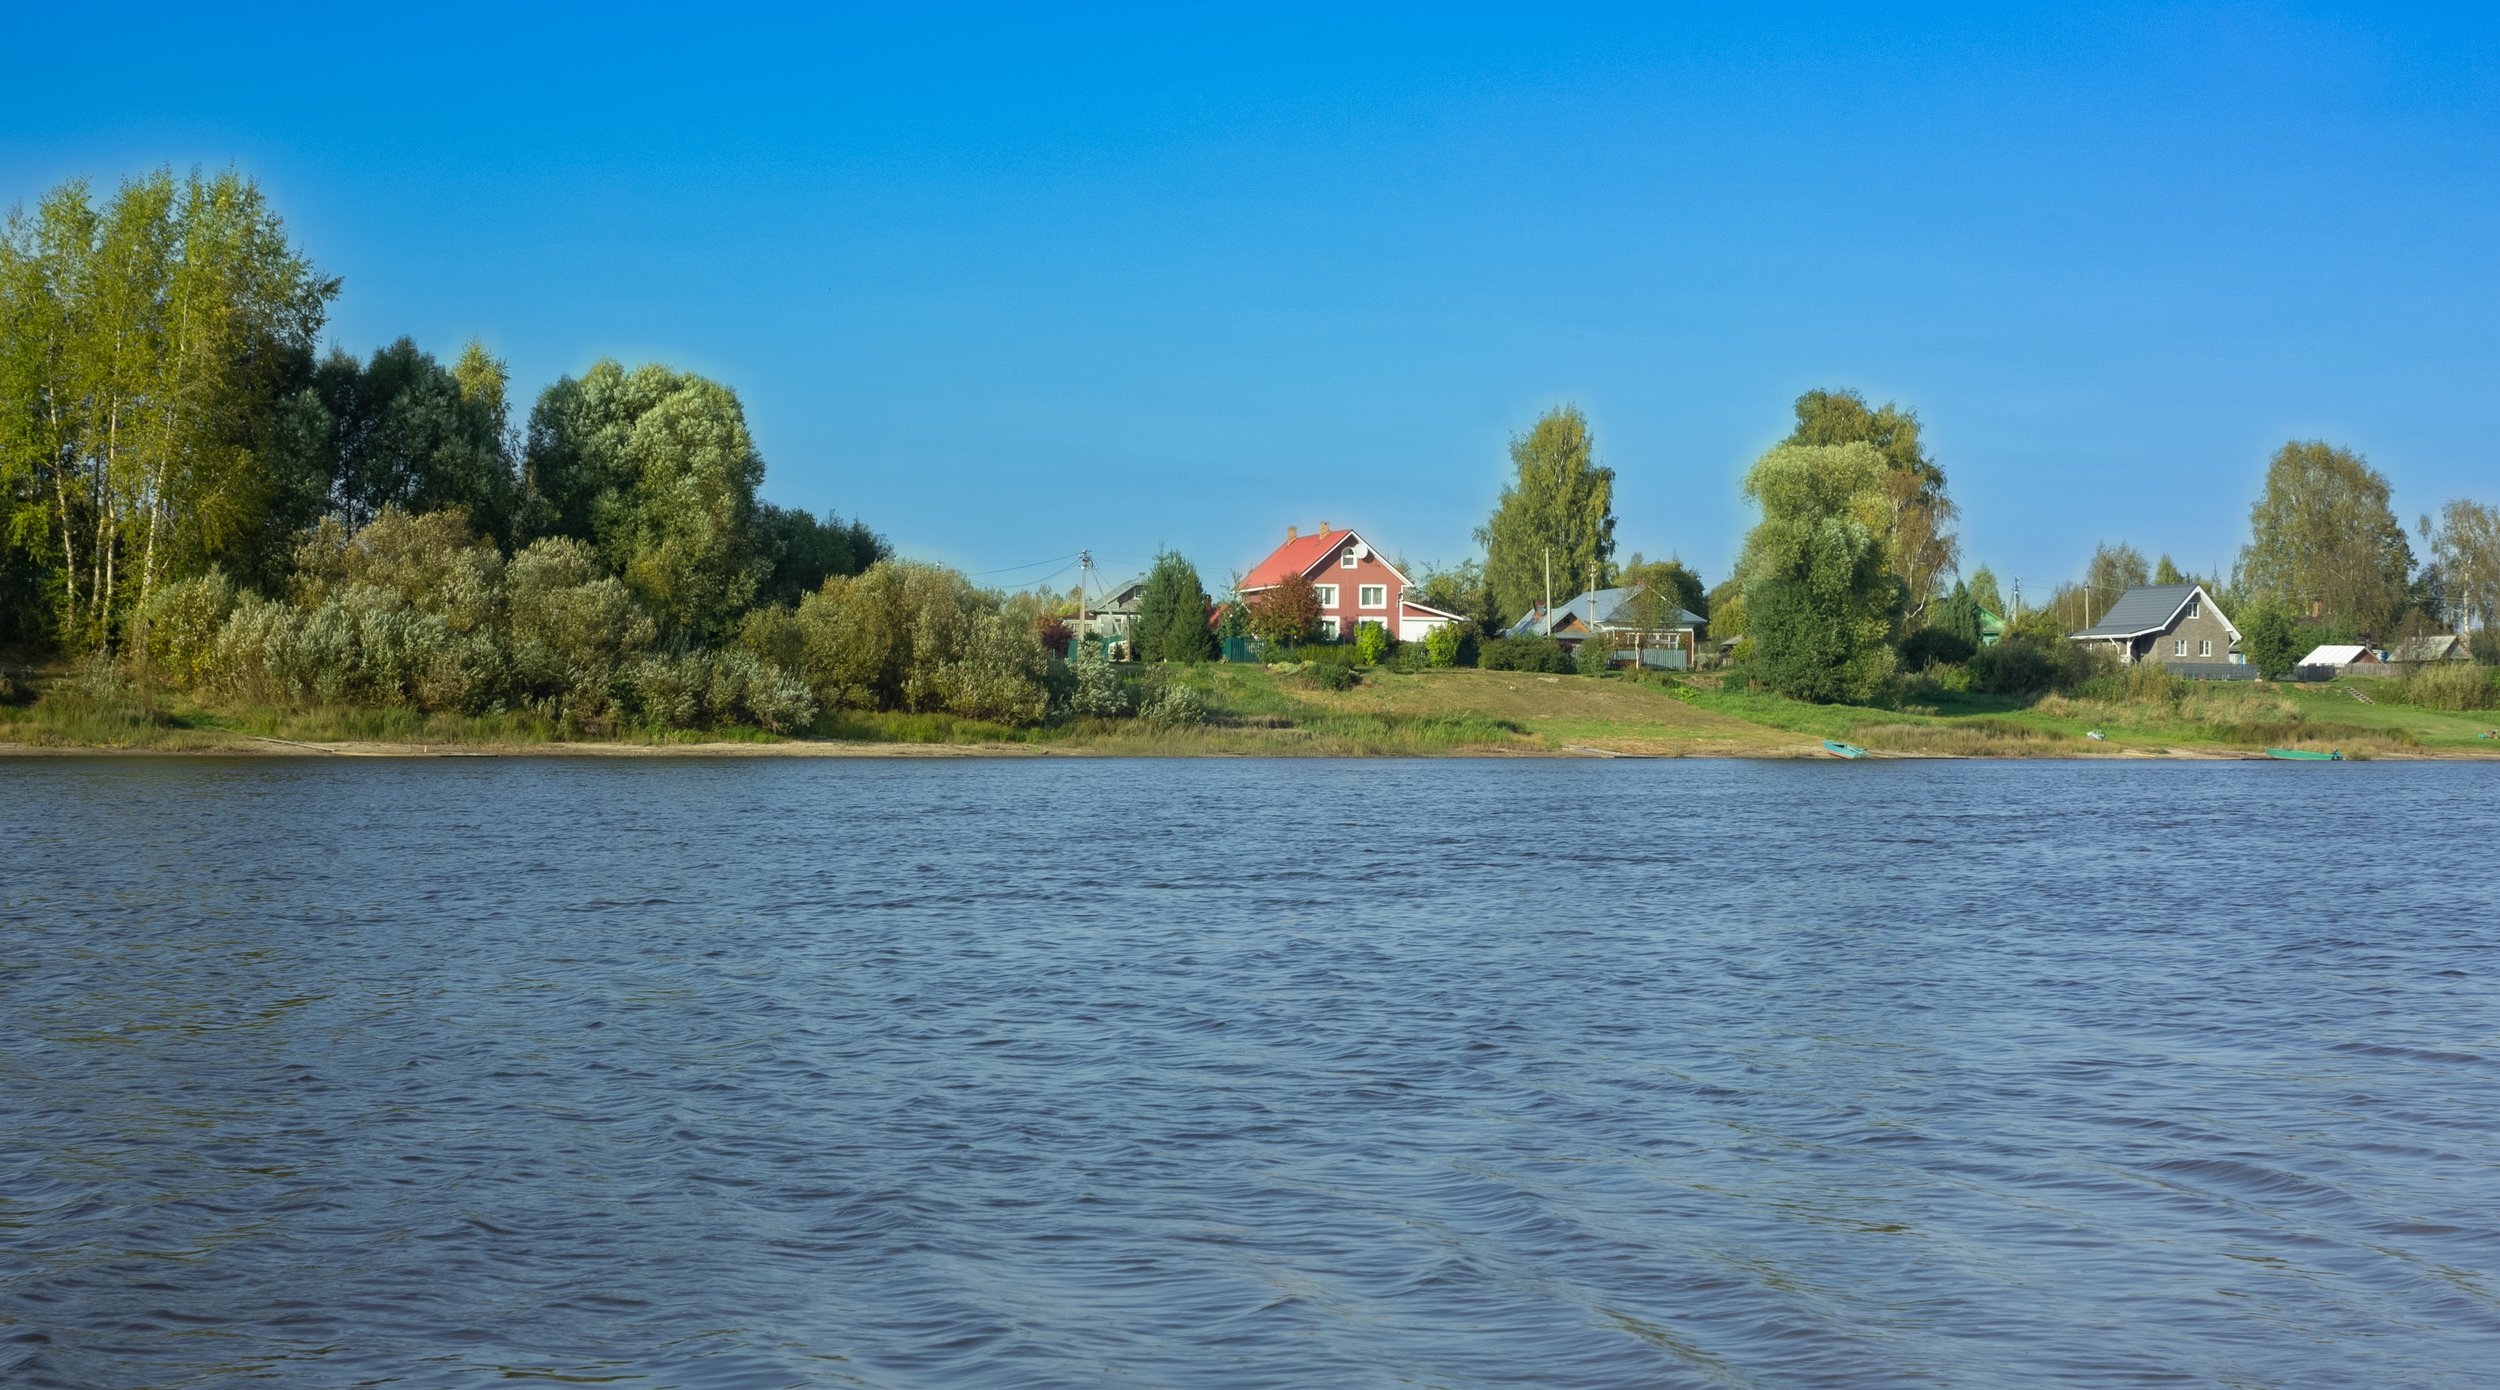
(1172, 613)
(1559, 506)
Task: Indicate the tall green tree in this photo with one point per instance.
(1958, 614)
(2270, 637)
(2323, 535)
(1917, 527)
(1984, 592)
(143, 345)
(1675, 581)
(2465, 545)
(656, 470)
(1819, 601)
(410, 433)
(802, 552)
(1172, 613)
(2115, 568)
(1460, 589)
(1558, 509)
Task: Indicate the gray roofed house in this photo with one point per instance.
(2424, 651)
(1614, 612)
(2174, 625)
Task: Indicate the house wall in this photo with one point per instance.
(1349, 609)
(2207, 626)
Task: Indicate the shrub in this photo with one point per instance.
(1371, 643)
(1330, 675)
(2015, 666)
(1443, 645)
(1287, 614)
(1175, 704)
(178, 628)
(1523, 654)
(2027, 665)
(1096, 690)
(1931, 646)
(1949, 679)
(1596, 656)
(2451, 685)
(1001, 672)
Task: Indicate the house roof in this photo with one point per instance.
(1612, 607)
(1122, 597)
(2151, 608)
(2446, 646)
(2338, 654)
(1304, 554)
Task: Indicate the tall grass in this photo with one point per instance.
(1966, 738)
(2450, 685)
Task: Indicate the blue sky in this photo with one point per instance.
(1011, 283)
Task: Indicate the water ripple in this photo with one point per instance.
(1246, 1073)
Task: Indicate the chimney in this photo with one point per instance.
(1292, 534)
(1323, 528)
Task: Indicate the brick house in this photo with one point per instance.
(1356, 584)
(2175, 625)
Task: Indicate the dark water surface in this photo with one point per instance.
(1002, 1073)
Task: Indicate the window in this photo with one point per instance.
(2178, 646)
(2196, 607)
(1347, 560)
(1372, 595)
(2204, 649)
(1328, 629)
(1327, 594)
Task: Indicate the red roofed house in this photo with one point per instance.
(1355, 585)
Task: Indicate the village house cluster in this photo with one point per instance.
(2179, 627)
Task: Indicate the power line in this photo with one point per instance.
(1037, 564)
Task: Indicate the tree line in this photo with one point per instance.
(185, 480)
(173, 449)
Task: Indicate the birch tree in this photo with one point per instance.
(145, 343)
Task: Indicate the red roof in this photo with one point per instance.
(1297, 556)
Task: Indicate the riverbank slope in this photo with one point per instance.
(1255, 711)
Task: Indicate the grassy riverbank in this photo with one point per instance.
(1254, 711)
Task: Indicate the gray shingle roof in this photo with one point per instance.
(1612, 606)
(2141, 610)
(2436, 647)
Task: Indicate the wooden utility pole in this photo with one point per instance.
(1084, 572)
(1549, 591)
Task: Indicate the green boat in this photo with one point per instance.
(1842, 750)
(2303, 755)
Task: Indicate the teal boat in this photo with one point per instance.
(2305, 756)
(1842, 750)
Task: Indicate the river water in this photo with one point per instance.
(1247, 1073)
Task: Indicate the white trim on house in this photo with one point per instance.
(1328, 627)
(1364, 596)
(1327, 594)
(1417, 621)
